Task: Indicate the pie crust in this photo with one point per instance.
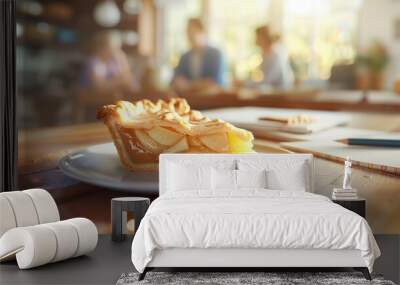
(142, 130)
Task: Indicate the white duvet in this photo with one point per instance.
(253, 218)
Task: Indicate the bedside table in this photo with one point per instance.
(357, 206)
(119, 208)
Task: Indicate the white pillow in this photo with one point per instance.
(223, 179)
(251, 179)
(183, 177)
(282, 174)
(294, 180)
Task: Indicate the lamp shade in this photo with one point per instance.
(107, 14)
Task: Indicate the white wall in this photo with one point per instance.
(376, 22)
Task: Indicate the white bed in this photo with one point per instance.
(201, 225)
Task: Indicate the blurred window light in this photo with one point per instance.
(173, 28)
(233, 32)
(319, 34)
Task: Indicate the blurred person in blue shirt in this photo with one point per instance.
(201, 67)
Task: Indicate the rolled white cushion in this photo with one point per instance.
(45, 205)
(66, 238)
(7, 218)
(23, 208)
(87, 234)
(33, 246)
(41, 244)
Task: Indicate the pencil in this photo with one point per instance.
(371, 142)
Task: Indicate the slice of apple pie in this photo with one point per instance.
(142, 130)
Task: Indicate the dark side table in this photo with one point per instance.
(357, 206)
(119, 208)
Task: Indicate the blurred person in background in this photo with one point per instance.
(200, 68)
(107, 72)
(275, 67)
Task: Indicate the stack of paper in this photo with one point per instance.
(344, 194)
(249, 118)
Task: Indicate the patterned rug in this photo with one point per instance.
(243, 278)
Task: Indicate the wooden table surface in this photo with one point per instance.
(298, 99)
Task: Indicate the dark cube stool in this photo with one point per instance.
(119, 208)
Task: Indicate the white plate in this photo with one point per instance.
(100, 165)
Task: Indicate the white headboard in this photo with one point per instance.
(212, 159)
